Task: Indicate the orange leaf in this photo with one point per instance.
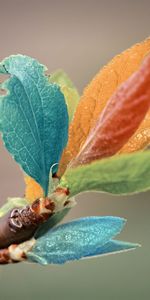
(140, 139)
(33, 190)
(97, 94)
(120, 119)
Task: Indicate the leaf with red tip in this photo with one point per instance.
(120, 119)
(96, 96)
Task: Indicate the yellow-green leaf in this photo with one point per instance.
(12, 203)
(68, 89)
(123, 174)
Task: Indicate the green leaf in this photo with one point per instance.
(61, 78)
(12, 203)
(68, 89)
(33, 117)
(122, 174)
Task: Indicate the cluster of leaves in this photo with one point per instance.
(110, 121)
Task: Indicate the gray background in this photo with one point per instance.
(80, 37)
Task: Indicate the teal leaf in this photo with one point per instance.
(68, 89)
(75, 240)
(121, 174)
(12, 203)
(33, 117)
(113, 246)
(52, 221)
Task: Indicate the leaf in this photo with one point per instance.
(75, 240)
(52, 221)
(33, 190)
(68, 89)
(96, 95)
(123, 174)
(140, 139)
(61, 78)
(113, 246)
(12, 203)
(33, 117)
(121, 117)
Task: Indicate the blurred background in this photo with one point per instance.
(79, 37)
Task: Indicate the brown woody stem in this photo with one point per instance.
(20, 224)
(5, 256)
(17, 228)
